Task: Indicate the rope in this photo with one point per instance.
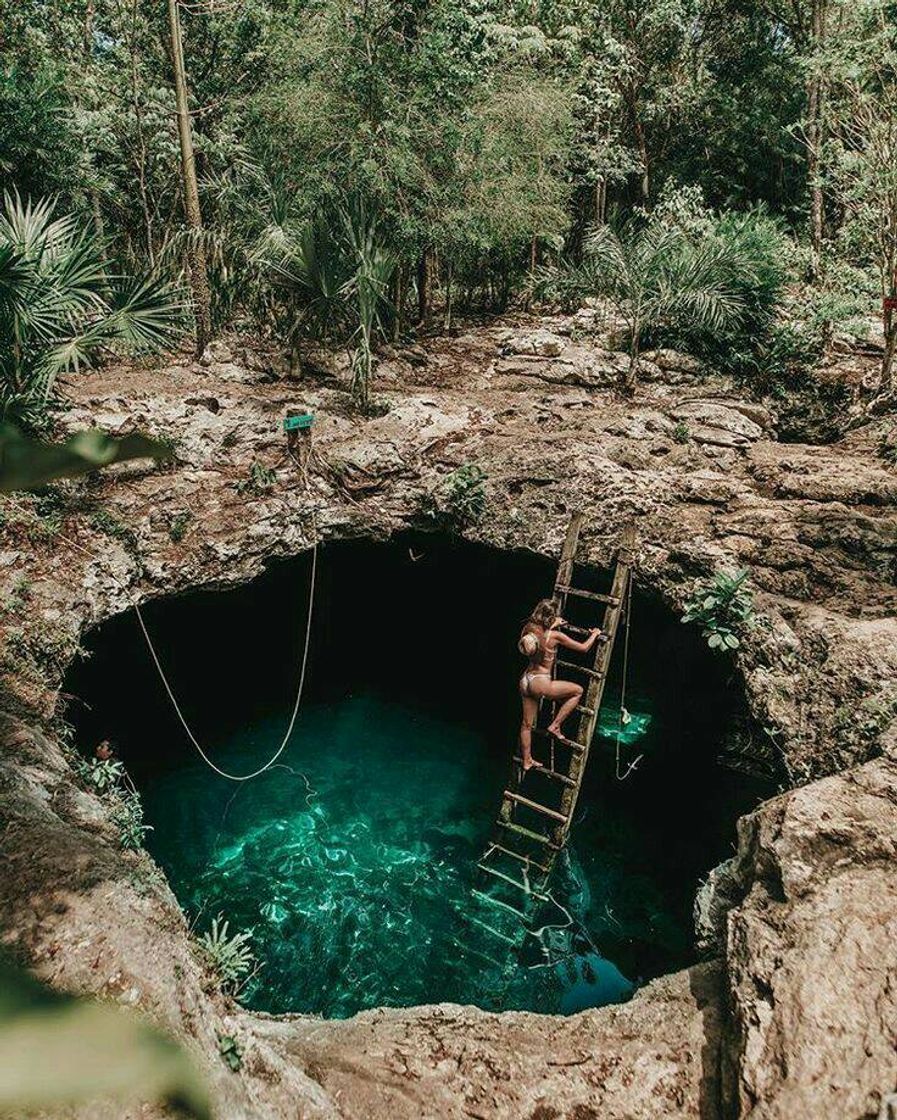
(156, 661)
(622, 777)
(299, 690)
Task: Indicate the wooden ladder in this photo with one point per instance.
(538, 805)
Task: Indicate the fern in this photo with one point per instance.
(229, 956)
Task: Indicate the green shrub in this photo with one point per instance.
(887, 447)
(62, 306)
(231, 1051)
(458, 500)
(260, 479)
(108, 778)
(127, 813)
(177, 526)
(102, 775)
(229, 956)
(724, 608)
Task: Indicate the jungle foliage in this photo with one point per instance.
(368, 168)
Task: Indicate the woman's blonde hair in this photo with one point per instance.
(544, 613)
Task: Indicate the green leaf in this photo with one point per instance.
(26, 464)
(56, 1051)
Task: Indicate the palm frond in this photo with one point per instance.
(146, 313)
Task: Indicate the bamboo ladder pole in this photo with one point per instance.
(594, 694)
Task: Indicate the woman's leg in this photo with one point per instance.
(568, 695)
(530, 714)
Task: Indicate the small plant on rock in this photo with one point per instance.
(105, 522)
(260, 479)
(127, 813)
(102, 775)
(682, 433)
(459, 500)
(229, 956)
(724, 608)
(107, 777)
(177, 526)
(887, 447)
(231, 1051)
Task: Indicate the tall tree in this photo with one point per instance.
(863, 125)
(196, 250)
(816, 115)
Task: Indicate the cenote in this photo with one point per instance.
(352, 859)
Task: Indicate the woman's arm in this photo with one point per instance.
(571, 643)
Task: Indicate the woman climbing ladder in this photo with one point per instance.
(539, 641)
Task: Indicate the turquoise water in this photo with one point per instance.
(350, 861)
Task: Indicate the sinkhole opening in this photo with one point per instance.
(352, 860)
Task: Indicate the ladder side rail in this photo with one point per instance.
(563, 577)
(595, 691)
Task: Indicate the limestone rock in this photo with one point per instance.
(716, 422)
(811, 950)
(673, 361)
(541, 343)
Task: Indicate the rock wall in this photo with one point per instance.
(798, 1017)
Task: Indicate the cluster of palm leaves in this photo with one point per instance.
(334, 278)
(663, 279)
(61, 306)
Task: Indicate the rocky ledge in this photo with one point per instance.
(796, 1015)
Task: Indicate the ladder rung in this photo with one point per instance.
(485, 925)
(560, 739)
(597, 674)
(525, 887)
(535, 806)
(579, 593)
(528, 860)
(498, 902)
(553, 774)
(529, 833)
(586, 711)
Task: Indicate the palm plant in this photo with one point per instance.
(60, 306)
(368, 292)
(657, 274)
(335, 278)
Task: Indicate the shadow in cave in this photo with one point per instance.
(371, 825)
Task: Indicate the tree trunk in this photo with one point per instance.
(447, 321)
(398, 302)
(196, 253)
(645, 182)
(423, 286)
(631, 375)
(887, 362)
(815, 118)
(601, 201)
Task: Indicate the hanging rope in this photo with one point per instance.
(157, 662)
(624, 714)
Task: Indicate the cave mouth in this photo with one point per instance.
(350, 860)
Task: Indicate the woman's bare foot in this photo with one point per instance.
(556, 730)
(529, 763)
